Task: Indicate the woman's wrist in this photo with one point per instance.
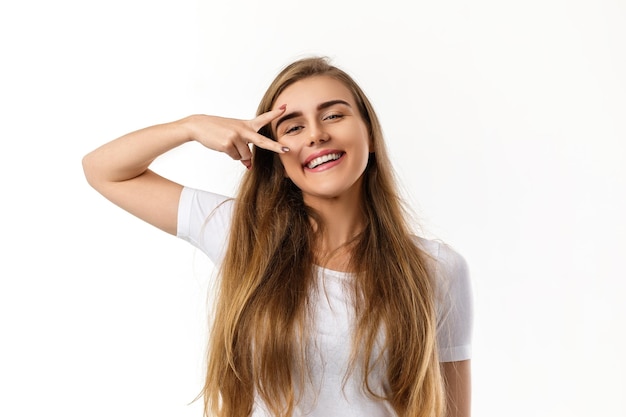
(189, 127)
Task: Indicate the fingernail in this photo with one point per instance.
(283, 107)
(284, 149)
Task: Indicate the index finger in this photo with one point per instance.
(262, 120)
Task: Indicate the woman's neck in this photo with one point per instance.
(343, 219)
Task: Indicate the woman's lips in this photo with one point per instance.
(324, 161)
(317, 154)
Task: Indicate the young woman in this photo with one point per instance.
(328, 305)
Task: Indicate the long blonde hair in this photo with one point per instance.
(260, 324)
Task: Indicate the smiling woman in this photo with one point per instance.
(328, 172)
(327, 304)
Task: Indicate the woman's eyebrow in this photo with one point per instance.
(287, 117)
(320, 106)
(330, 103)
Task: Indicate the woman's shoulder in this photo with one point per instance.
(438, 250)
(202, 199)
(448, 266)
(204, 220)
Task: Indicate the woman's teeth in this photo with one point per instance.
(322, 159)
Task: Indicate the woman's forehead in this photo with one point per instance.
(314, 90)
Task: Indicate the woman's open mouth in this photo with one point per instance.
(325, 161)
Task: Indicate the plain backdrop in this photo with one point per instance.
(505, 121)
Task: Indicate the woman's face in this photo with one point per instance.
(328, 140)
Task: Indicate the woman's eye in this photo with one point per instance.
(333, 117)
(293, 129)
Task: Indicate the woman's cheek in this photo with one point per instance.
(290, 163)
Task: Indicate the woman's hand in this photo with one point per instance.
(233, 136)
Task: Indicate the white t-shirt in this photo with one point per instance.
(204, 220)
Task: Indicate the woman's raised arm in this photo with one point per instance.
(119, 169)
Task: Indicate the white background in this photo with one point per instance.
(506, 122)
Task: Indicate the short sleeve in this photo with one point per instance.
(454, 300)
(204, 221)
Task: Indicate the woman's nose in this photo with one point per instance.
(317, 134)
